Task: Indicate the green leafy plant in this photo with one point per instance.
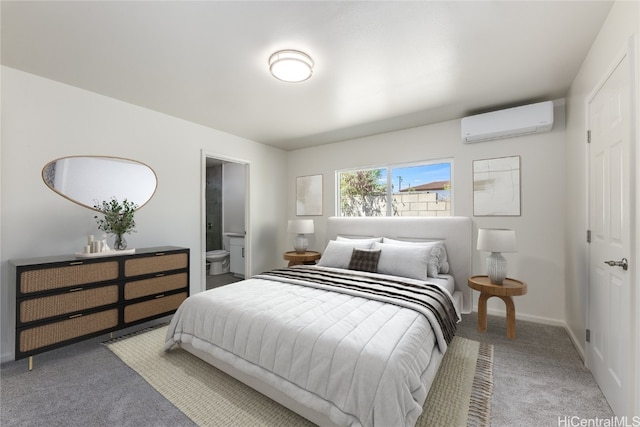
(361, 193)
(118, 219)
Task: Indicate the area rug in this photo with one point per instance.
(460, 394)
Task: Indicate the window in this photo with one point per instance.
(422, 189)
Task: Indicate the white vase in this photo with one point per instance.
(496, 268)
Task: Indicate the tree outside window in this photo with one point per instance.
(363, 193)
(400, 190)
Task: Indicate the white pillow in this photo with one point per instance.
(443, 262)
(369, 240)
(403, 260)
(338, 254)
(437, 262)
(409, 242)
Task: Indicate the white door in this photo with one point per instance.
(609, 216)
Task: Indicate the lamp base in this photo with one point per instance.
(300, 243)
(496, 268)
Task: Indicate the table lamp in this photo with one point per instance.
(300, 227)
(496, 241)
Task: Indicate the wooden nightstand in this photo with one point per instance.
(508, 289)
(308, 257)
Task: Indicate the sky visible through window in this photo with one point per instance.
(412, 176)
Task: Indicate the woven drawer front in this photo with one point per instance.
(47, 279)
(157, 285)
(153, 307)
(58, 332)
(155, 264)
(55, 305)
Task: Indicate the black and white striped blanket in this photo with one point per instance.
(427, 298)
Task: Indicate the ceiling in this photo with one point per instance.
(379, 65)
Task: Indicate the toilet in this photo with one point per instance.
(219, 262)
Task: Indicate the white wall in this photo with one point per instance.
(620, 28)
(43, 120)
(539, 230)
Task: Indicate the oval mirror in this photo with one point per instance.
(89, 180)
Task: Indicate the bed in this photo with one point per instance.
(342, 343)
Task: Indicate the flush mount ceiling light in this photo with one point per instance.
(291, 66)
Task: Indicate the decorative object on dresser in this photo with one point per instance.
(300, 227)
(119, 219)
(496, 241)
(61, 299)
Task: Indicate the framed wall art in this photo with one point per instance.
(496, 187)
(309, 195)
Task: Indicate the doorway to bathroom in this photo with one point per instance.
(225, 212)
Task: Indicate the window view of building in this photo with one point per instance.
(397, 190)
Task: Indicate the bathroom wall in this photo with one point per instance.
(213, 196)
(225, 194)
(233, 196)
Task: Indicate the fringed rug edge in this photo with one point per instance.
(482, 388)
(134, 333)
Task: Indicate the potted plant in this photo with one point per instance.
(118, 220)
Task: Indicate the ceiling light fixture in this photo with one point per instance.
(291, 66)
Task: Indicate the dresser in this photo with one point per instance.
(61, 300)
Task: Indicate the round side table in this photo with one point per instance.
(508, 289)
(295, 258)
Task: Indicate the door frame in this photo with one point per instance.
(634, 51)
(204, 154)
(628, 50)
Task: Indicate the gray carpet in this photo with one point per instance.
(84, 384)
(537, 378)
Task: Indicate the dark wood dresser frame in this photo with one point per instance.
(62, 300)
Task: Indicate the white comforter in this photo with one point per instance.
(360, 361)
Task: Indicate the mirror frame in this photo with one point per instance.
(46, 182)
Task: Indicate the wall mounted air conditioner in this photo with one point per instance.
(517, 121)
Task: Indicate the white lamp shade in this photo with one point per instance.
(300, 226)
(496, 240)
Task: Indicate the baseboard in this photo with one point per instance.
(577, 344)
(527, 317)
(6, 357)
